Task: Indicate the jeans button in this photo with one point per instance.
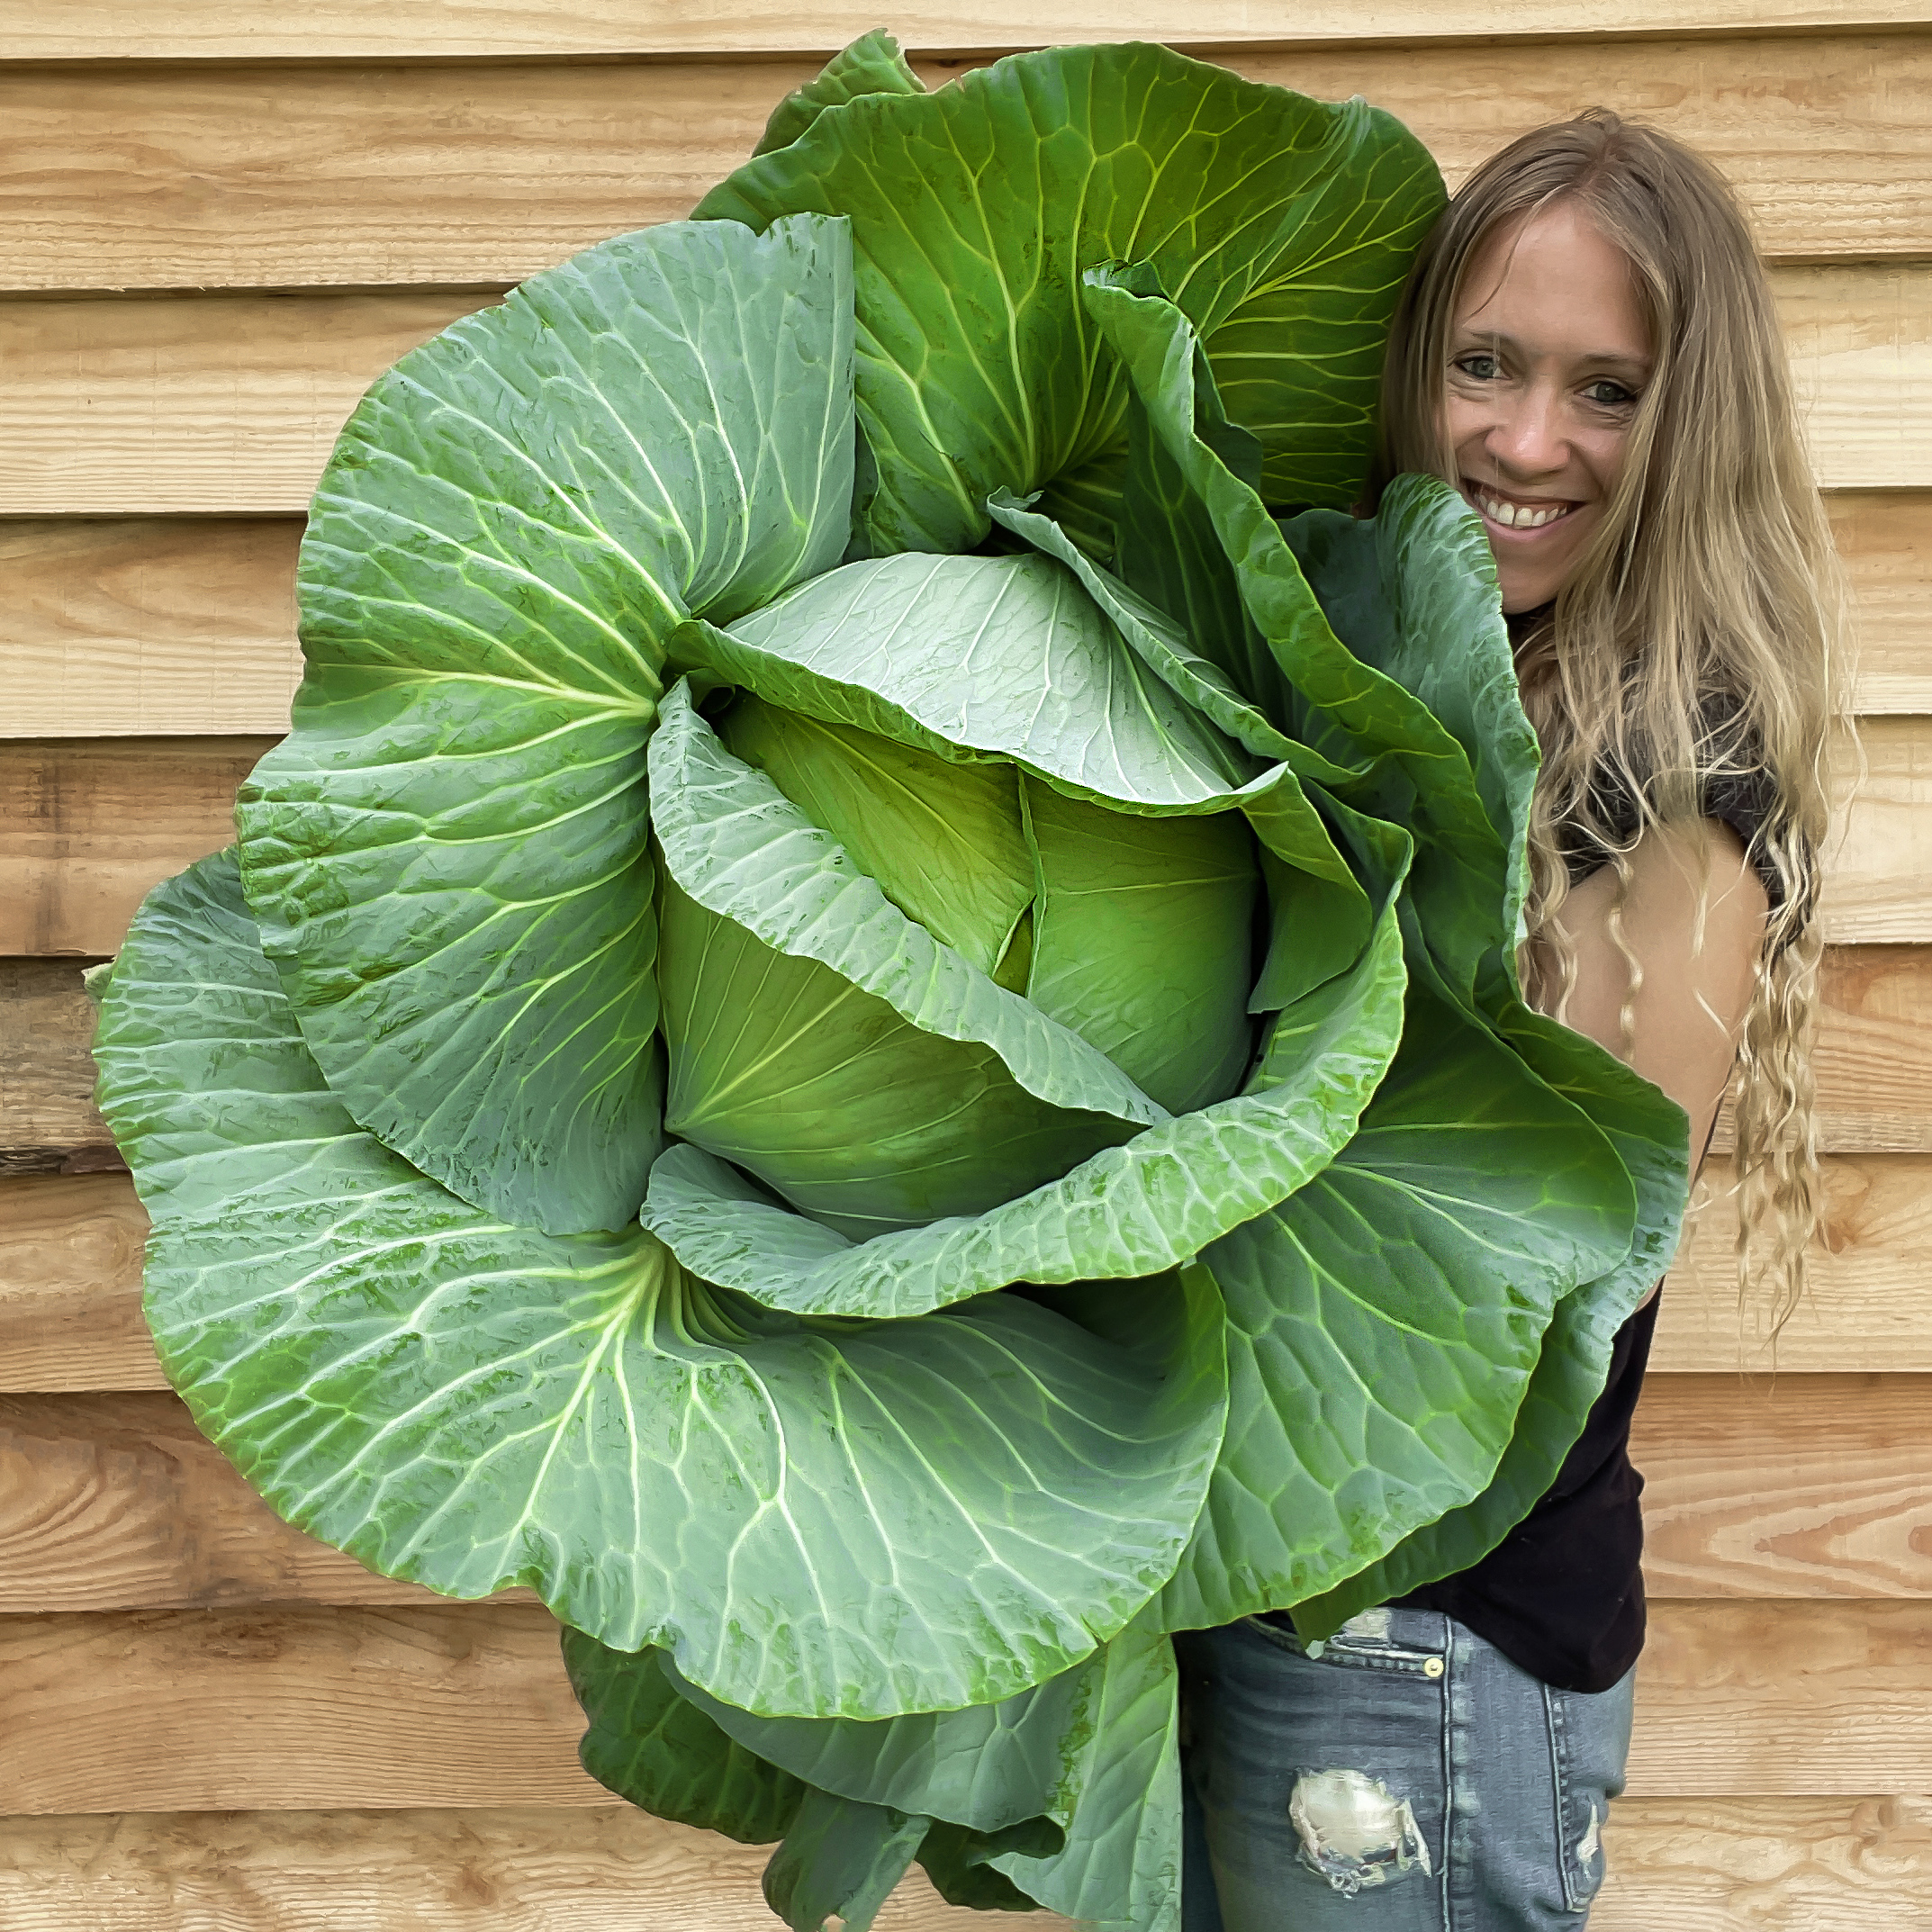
(1432, 1667)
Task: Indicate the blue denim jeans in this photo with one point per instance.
(1409, 1778)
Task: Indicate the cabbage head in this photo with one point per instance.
(867, 1029)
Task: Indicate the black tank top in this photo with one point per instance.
(1563, 1594)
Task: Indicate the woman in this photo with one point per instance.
(1587, 349)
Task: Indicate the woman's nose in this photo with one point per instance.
(1528, 435)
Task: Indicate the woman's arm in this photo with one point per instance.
(1690, 1004)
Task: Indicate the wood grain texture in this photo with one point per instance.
(296, 1707)
(119, 1502)
(87, 827)
(48, 1122)
(144, 626)
(147, 625)
(1878, 880)
(1865, 1307)
(1811, 1486)
(1885, 540)
(1783, 1864)
(498, 1870)
(70, 1274)
(1801, 1699)
(230, 403)
(1767, 1864)
(1872, 1059)
(224, 403)
(447, 29)
(1861, 349)
(288, 1707)
(415, 173)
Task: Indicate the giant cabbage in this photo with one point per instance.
(867, 1029)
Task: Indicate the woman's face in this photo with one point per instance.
(1549, 353)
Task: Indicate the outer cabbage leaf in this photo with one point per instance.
(1385, 1321)
(653, 1734)
(653, 1745)
(1121, 1866)
(1285, 224)
(989, 1767)
(449, 853)
(658, 1749)
(839, 1862)
(1396, 587)
(872, 64)
(954, 1859)
(1649, 1134)
(470, 1405)
(1071, 1791)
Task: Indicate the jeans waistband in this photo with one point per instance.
(1408, 1629)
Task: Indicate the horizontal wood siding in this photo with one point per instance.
(1818, 1486)
(77, 858)
(218, 222)
(1807, 1864)
(173, 404)
(93, 31)
(303, 1706)
(408, 173)
(144, 626)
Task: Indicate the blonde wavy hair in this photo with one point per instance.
(1698, 645)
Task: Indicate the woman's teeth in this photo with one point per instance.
(1519, 516)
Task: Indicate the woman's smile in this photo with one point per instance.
(1514, 519)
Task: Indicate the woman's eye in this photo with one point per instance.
(1609, 395)
(1479, 368)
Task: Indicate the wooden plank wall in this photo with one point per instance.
(218, 219)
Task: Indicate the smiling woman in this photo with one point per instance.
(1586, 349)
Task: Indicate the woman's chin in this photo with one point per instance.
(1520, 598)
(1530, 574)
(1528, 583)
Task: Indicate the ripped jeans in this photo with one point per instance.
(1410, 1779)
